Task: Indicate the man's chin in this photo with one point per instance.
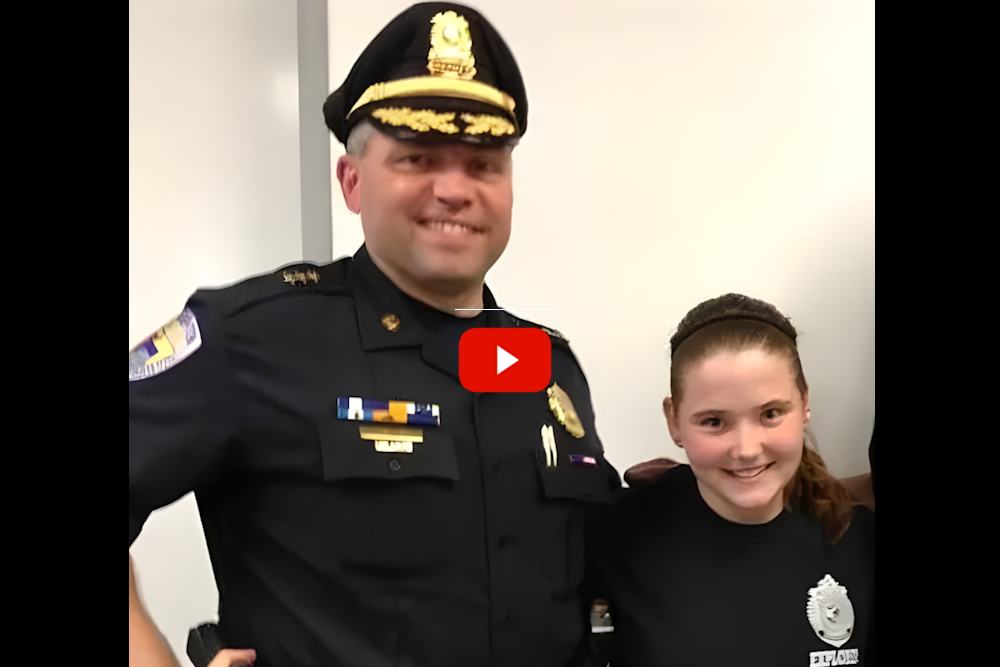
(450, 282)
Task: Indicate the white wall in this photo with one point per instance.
(676, 150)
(214, 195)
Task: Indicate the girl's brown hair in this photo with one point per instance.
(736, 323)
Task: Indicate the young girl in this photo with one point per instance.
(751, 555)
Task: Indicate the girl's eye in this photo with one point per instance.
(711, 422)
(772, 414)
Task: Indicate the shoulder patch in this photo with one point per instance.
(170, 344)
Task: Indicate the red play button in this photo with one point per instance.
(504, 360)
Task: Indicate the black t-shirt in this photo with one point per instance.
(689, 588)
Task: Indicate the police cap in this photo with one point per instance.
(438, 72)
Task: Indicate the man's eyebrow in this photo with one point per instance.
(778, 403)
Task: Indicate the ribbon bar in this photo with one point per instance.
(392, 412)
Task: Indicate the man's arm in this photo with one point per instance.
(145, 645)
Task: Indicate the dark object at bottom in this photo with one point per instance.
(204, 642)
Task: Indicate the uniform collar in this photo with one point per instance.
(377, 298)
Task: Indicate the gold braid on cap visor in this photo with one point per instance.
(435, 86)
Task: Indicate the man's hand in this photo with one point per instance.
(234, 657)
(146, 647)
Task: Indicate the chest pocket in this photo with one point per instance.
(347, 456)
(575, 469)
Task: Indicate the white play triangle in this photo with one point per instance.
(504, 360)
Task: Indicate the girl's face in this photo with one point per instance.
(741, 419)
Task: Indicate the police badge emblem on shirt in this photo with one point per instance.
(831, 616)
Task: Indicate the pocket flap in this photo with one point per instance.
(346, 455)
(575, 470)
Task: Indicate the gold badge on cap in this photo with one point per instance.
(564, 411)
(390, 322)
(451, 47)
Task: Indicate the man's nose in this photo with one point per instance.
(452, 186)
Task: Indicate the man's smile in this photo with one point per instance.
(449, 227)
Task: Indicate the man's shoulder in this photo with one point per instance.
(514, 321)
(294, 279)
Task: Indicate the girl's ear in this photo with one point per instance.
(668, 412)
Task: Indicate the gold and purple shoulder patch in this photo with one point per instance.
(392, 412)
(170, 344)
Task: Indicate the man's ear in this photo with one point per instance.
(806, 409)
(668, 411)
(350, 182)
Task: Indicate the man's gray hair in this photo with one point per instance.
(357, 140)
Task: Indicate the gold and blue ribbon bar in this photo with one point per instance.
(392, 412)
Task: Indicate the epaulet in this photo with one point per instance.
(288, 280)
(557, 338)
(182, 336)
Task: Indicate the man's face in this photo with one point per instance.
(436, 215)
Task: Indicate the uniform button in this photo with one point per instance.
(395, 465)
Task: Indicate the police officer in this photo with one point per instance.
(360, 506)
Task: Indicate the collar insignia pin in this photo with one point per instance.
(390, 322)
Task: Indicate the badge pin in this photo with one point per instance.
(549, 445)
(563, 410)
(830, 612)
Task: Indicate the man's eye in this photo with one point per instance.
(489, 167)
(414, 160)
(711, 422)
